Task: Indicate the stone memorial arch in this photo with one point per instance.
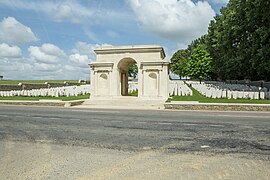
(109, 74)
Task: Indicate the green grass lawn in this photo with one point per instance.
(134, 93)
(35, 81)
(202, 99)
(25, 98)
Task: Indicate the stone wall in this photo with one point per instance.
(43, 103)
(52, 85)
(218, 107)
(33, 86)
(72, 84)
(6, 87)
(29, 86)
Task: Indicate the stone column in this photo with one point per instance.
(140, 81)
(165, 82)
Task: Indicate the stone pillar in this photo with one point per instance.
(140, 81)
(115, 82)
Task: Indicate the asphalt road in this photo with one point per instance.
(171, 131)
(71, 143)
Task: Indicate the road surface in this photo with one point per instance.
(70, 143)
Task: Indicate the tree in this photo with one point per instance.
(179, 63)
(200, 64)
(197, 42)
(133, 71)
(238, 40)
(258, 26)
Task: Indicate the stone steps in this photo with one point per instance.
(123, 103)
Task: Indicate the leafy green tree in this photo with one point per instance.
(179, 63)
(197, 42)
(258, 37)
(200, 64)
(239, 40)
(133, 71)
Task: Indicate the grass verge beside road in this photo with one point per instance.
(202, 99)
(26, 98)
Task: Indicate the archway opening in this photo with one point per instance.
(128, 71)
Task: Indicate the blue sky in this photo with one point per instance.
(55, 39)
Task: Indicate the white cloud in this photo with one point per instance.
(18, 69)
(59, 11)
(13, 32)
(50, 68)
(179, 20)
(82, 55)
(47, 61)
(52, 49)
(87, 49)
(79, 60)
(73, 12)
(47, 53)
(70, 71)
(7, 51)
(64, 12)
(50, 62)
(83, 12)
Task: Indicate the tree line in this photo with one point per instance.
(237, 45)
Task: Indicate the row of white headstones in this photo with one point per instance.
(179, 88)
(50, 92)
(230, 91)
(132, 86)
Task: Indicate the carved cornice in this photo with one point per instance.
(154, 63)
(130, 49)
(101, 64)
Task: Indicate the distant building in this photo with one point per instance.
(1, 77)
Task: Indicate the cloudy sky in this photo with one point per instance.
(55, 39)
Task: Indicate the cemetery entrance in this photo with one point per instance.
(123, 68)
(109, 74)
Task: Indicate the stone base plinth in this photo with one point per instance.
(126, 102)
